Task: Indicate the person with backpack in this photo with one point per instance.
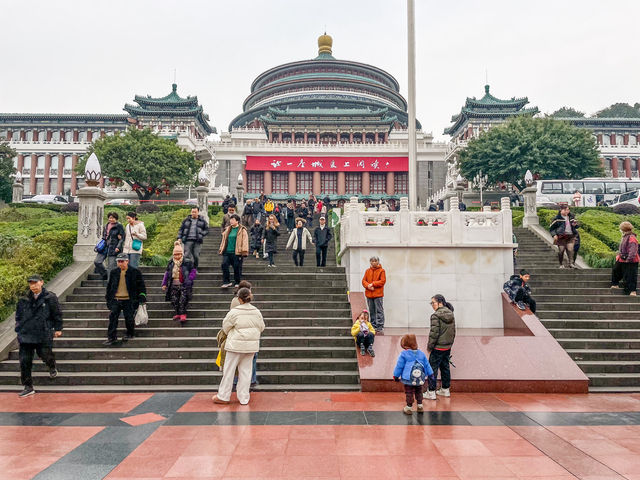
(113, 235)
(519, 291)
(413, 370)
(441, 336)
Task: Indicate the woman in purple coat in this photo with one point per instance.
(178, 282)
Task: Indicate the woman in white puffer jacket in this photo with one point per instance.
(243, 326)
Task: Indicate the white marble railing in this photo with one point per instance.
(417, 228)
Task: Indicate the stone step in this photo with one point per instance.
(591, 306)
(184, 377)
(179, 342)
(158, 296)
(608, 343)
(271, 290)
(187, 330)
(604, 354)
(167, 312)
(561, 285)
(615, 379)
(131, 350)
(607, 296)
(609, 367)
(614, 389)
(253, 268)
(276, 387)
(177, 364)
(587, 323)
(271, 275)
(208, 322)
(219, 305)
(569, 314)
(601, 333)
(283, 283)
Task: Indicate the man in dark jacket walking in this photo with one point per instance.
(38, 321)
(113, 234)
(321, 237)
(519, 291)
(192, 232)
(125, 291)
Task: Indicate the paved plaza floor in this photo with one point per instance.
(319, 435)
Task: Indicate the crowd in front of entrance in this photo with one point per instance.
(39, 317)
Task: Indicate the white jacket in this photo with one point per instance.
(137, 231)
(293, 238)
(243, 326)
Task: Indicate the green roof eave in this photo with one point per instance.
(329, 111)
(172, 99)
(64, 117)
(133, 109)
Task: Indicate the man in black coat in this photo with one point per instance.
(192, 232)
(321, 237)
(38, 321)
(125, 291)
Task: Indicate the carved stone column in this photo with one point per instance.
(530, 209)
(18, 192)
(90, 212)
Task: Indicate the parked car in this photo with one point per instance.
(47, 199)
(118, 201)
(627, 197)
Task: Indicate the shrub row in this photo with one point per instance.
(157, 250)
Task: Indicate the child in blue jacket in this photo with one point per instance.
(412, 369)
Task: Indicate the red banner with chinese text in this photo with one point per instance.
(328, 164)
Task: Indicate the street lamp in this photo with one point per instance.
(480, 181)
(92, 171)
(528, 178)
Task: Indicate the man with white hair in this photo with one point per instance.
(373, 283)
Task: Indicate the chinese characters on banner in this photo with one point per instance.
(328, 164)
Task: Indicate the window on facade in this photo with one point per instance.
(255, 182)
(40, 165)
(378, 183)
(329, 183)
(66, 189)
(82, 136)
(354, 183)
(401, 183)
(55, 136)
(39, 186)
(619, 140)
(280, 182)
(42, 136)
(26, 182)
(304, 182)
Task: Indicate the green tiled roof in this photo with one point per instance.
(171, 99)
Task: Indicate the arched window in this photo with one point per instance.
(633, 140)
(55, 136)
(68, 162)
(619, 139)
(42, 136)
(40, 166)
(82, 136)
(606, 140)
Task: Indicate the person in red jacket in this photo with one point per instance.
(626, 266)
(373, 283)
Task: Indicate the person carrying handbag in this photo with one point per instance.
(135, 234)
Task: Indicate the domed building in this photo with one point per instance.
(325, 126)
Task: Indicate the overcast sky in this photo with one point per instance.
(92, 57)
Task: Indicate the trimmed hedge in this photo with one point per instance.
(52, 207)
(596, 253)
(157, 250)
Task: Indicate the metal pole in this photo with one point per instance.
(411, 97)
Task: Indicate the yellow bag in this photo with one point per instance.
(219, 358)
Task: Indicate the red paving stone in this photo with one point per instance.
(143, 419)
(341, 451)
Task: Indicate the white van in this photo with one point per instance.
(630, 198)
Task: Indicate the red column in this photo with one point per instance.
(89, 136)
(270, 137)
(317, 137)
(612, 138)
(49, 135)
(599, 138)
(638, 139)
(391, 184)
(9, 135)
(306, 137)
(75, 139)
(602, 162)
(74, 179)
(376, 138)
(386, 137)
(293, 136)
(627, 165)
(267, 182)
(20, 163)
(35, 136)
(625, 140)
(469, 131)
(366, 183)
(47, 167)
(614, 166)
(342, 183)
(316, 186)
(292, 183)
(60, 187)
(364, 137)
(32, 181)
(280, 137)
(351, 137)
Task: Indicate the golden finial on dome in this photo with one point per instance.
(325, 42)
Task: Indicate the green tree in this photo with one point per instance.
(549, 148)
(619, 110)
(149, 164)
(7, 155)
(567, 112)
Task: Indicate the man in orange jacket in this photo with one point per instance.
(373, 283)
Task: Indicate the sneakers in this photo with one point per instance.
(362, 352)
(615, 286)
(431, 394)
(562, 266)
(226, 285)
(109, 341)
(217, 400)
(28, 391)
(407, 410)
(371, 352)
(176, 318)
(420, 408)
(633, 294)
(53, 373)
(183, 318)
(521, 305)
(443, 392)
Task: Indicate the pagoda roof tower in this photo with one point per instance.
(488, 108)
(323, 91)
(171, 105)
